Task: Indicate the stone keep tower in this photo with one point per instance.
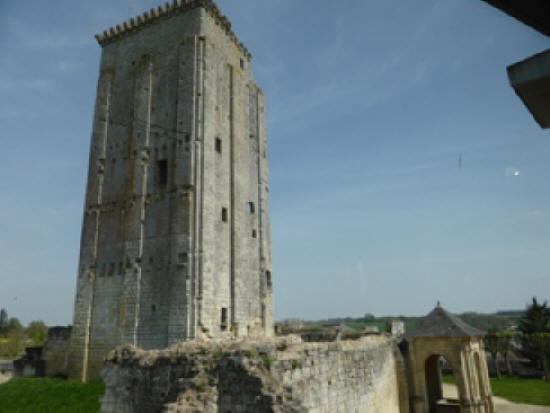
(176, 236)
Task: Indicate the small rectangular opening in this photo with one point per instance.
(254, 233)
(162, 173)
(251, 207)
(218, 145)
(224, 214)
(182, 257)
(242, 63)
(268, 279)
(223, 323)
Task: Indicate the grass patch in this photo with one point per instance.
(219, 354)
(410, 325)
(528, 391)
(268, 361)
(251, 353)
(50, 395)
(449, 379)
(360, 325)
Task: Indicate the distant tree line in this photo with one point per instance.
(8, 324)
(14, 337)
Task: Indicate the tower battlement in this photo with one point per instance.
(169, 9)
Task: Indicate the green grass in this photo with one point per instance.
(49, 395)
(528, 391)
(449, 379)
(360, 325)
(410, 325)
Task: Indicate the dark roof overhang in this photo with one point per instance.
(534, 13)
(530, 79)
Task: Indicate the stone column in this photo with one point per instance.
(463, 382)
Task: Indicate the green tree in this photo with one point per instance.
(13, 346)
(498, 343)
(14, 325)
(536, 318)
(537, 346)
(368, 317)
(535, 341)
(37, 331)
(3, 321)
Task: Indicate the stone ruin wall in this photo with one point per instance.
(55, 351)
(276, 375)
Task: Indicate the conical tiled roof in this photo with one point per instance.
(441, 323)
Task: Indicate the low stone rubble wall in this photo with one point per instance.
(273, 375)
(55, 352)
(30, 365)
(6, 370)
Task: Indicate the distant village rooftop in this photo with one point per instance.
(167, 10)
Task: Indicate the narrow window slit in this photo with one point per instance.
(223, 323)
(162, 173)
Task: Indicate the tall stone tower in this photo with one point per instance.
(176, 236)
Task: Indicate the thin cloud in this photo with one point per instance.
(367, 82)
(27, 38)
(536, 213)
(56, 41)
(9, 114)
(66, 66)
(37, 85)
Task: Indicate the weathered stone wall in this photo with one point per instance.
(278, 375)
(56, 351)
(175, 240)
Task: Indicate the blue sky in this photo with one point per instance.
(370, 106)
